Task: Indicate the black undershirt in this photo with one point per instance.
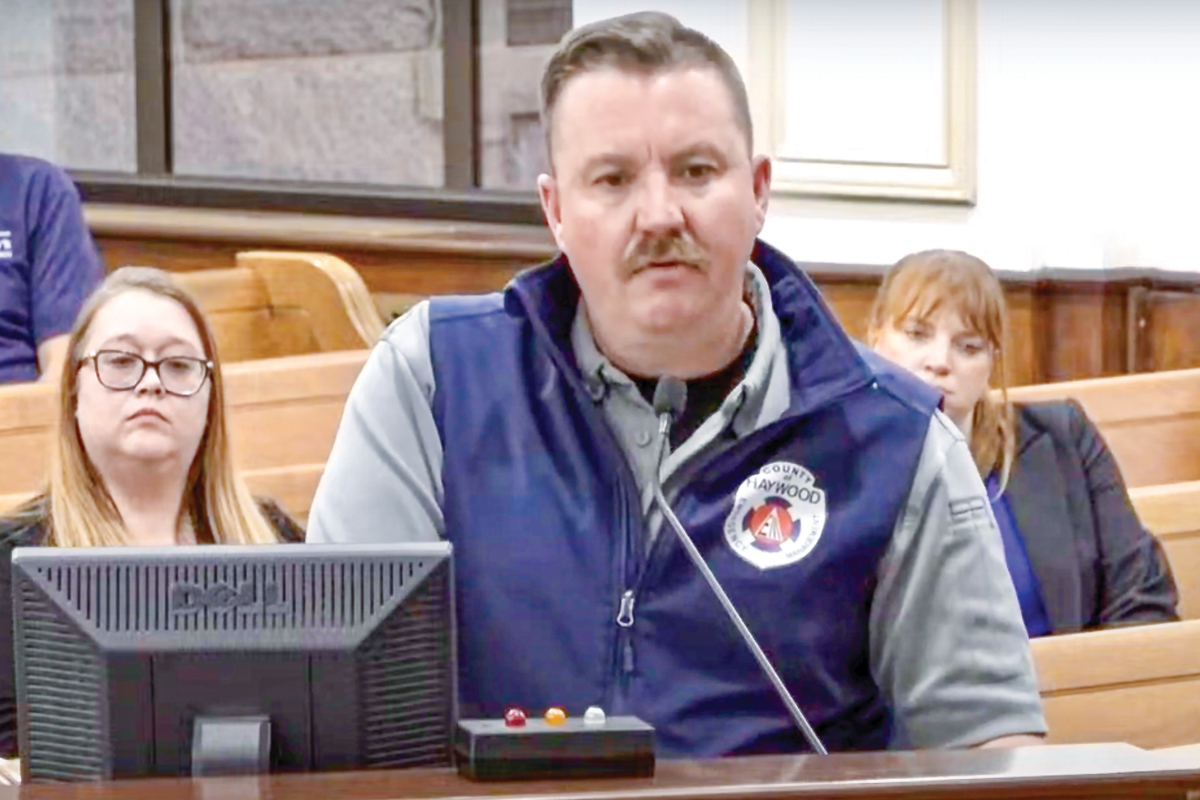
(704, 394)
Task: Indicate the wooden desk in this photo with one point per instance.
(1069, 771)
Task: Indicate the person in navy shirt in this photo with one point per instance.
(1078, 555)
(48, 266)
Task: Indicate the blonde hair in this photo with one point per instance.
(915, 288)
(82, 512)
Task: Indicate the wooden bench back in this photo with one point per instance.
(275, 304)
(1172, 513)
(243, 319)
(1138, 684)
(283, 416)
(1151, 421)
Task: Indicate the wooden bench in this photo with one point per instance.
(1172, 513)
(283, 416)
(1151, 421)
(1137, 684)
(276, 304)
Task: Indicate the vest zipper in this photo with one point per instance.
(625, 621)
(624, 661)
(625, 615)
(625, 618)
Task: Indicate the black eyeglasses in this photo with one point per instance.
(182, 376)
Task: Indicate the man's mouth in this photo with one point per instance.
(666, 265)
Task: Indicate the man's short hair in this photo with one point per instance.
(647, 42)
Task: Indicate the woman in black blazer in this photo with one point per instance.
(1078, 554)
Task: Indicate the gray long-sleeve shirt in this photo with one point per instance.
(947, 643)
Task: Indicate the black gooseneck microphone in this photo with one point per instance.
(670, 398)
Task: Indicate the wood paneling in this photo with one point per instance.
(1168, 327)
(417, 272)
(1065, 324)
(1081, 329)
(400, 256)
(1022, 348)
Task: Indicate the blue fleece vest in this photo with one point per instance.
(543, 512)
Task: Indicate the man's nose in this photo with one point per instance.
(658, 208)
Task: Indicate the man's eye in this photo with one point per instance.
(698, 172)
(917, 333)
(613, 179)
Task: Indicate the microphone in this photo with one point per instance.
(670, 398)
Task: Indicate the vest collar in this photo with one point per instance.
(823, 362)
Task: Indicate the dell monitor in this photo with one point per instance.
(233, 659)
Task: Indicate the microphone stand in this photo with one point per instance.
(664, 430)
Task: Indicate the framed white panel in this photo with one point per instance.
(866, 98)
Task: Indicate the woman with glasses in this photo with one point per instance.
(141, 453)
(1078, 556)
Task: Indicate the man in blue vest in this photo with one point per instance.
(839, 509)
(48, 267)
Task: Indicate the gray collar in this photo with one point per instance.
(759, 399)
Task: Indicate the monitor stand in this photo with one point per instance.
(231, 746)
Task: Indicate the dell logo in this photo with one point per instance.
(187, 597)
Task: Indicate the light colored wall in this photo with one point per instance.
(1088, 141)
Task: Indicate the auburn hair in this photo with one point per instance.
(81, 510)
(921, 283)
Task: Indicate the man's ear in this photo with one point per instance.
(548, 193)
(761, 173)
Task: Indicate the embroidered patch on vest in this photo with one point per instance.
(777, 517)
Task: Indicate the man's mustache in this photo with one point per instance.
(678, 247)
